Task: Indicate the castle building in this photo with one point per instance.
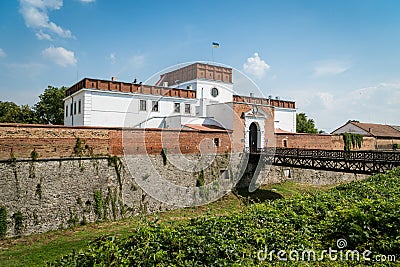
(197, 96)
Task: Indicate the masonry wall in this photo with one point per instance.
(19, 140)
(319, 141)
(57, 193)
(238, 141)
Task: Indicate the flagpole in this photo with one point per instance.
(214, 45)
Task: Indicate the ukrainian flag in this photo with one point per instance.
(215, 45)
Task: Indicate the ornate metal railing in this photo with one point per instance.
(366, 162)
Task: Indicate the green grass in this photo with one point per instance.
(36, 250)
(364, 214)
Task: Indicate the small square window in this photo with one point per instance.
(187, 108)
(155, 106)
(142, 105)
(177, 107)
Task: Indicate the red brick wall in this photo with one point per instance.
(238, 125)
(59, 141)
(317, 141)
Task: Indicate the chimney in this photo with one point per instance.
(251, 94)
(114, 78)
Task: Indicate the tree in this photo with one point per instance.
(12, 113)
(304, 124)
(50, 108)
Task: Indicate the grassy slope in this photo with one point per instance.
(35, 250)
(365, 213)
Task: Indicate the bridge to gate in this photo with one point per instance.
(363, 162)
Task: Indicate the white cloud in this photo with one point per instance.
(112, 57)
(138, 60)
(326, 99)
(35, 14)
(43, 36)
(256, 66)
(87, 1)
(330, 68)
(60, 56)
(2, 53)
(376, 104)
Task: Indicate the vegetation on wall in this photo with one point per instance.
(3, 222)
(98, 203)
(115, 161)
(34, 155)
(164, 152)
(18, 223)
(78, 148)
(352, 140)
(200, 179)
(395, 146)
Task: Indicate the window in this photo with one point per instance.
(284, 143)
(66, 110)
(216, 142)
(214, 92)
(154, 106)
(79, 106)
(142, 105)
(187, 108)
(74, 108)
(177, 107)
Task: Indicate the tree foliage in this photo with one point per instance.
(50, 108)
(11, 112)
(304, 124)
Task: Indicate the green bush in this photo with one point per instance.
(365, 213)
(3, 222)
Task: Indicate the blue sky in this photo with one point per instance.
(338, 60)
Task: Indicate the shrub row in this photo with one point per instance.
(365, 214)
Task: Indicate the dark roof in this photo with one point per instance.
(396, 127)
(205, 128)
(378, 130)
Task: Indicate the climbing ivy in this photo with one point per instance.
(78, 149)
(3, 222)
(164, 152)
(115, 162)
(98, 203)
(200, 179)
(38, 191)
(18, 222)
(34, 155)
(352, 140)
